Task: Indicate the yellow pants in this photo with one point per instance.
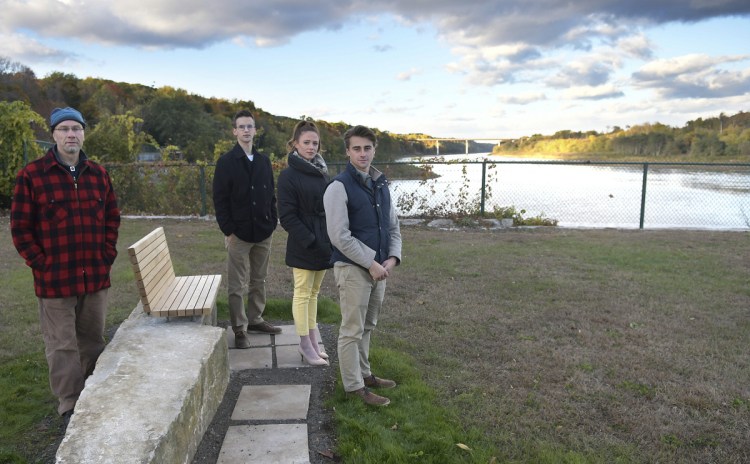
(305, 299)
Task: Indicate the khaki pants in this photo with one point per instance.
(247, 268)
(305, 299)
(73, 332)
(360, 298)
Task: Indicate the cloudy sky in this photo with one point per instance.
(466, 68)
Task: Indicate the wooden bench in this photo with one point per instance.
(162, 293)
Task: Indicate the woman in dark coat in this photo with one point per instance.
(308, 250)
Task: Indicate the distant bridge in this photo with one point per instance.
(465, 140)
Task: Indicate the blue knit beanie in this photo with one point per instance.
(65, 114)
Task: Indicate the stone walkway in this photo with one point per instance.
(277, 413)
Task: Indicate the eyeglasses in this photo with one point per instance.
(75, 130)
(247, 127)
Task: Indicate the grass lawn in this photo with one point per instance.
(522, 345)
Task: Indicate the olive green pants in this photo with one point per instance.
(73, 332)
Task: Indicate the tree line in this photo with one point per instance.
(127, 122)
(719, 138)
(126, 119)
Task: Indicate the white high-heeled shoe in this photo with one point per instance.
(314, 339)
(312, 362)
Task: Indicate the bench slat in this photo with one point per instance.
(209, 293)
(156, 259)
(152, 266)
(137, 249)
(194, 293)
(174, 297)
(183, 297)
(157, 278)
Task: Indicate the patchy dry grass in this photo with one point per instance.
(574, 345)
(616, 345)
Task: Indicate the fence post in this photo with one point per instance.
(484, 187)
(643, 194)
(203, 190)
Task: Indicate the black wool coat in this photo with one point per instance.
(300, 195)
(244, 197)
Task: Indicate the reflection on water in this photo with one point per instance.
(585, 195)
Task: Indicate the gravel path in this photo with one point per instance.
(320, 425)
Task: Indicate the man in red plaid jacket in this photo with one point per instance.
(64, 222)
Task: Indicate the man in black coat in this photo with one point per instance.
(245, 205)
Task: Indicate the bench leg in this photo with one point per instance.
(213, 318)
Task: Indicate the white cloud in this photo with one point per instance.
(584, 50)
(637, 46)
(478, 23)
(495, 42)
(382, 48)
(593, 70)
(672, 67)
(588, 92)
(407, 75)
(695, 76)
(26, 49)
(522, 98)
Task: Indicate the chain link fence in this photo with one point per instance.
(585, 194)
(567, 194)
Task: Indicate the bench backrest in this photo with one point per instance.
(152, 266)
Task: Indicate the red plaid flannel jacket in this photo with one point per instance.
(66, 230)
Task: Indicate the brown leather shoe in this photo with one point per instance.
(376, 382)
(241, 341)
(369, 397)
(264, 327)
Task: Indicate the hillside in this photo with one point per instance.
(720, 139)
(176, 121)
(194, 128)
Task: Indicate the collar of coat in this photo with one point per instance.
(52, 159)
(239, 152)
(317, 163)
(361, 176)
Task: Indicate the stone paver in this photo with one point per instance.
(255, 339)
(265, 444)
(288, 336)
(268, 442)
(289, 357)
(251, 358)
(262, 347)
(269, 402)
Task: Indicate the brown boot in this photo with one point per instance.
(376, 382)
(241, 341)
(264, 328)
(369, 397)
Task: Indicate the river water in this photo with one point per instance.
(584, 195)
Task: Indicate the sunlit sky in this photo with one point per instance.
(479, 69)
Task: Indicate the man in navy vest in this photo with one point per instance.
(364, 230)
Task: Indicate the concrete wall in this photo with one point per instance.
(152, 396)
